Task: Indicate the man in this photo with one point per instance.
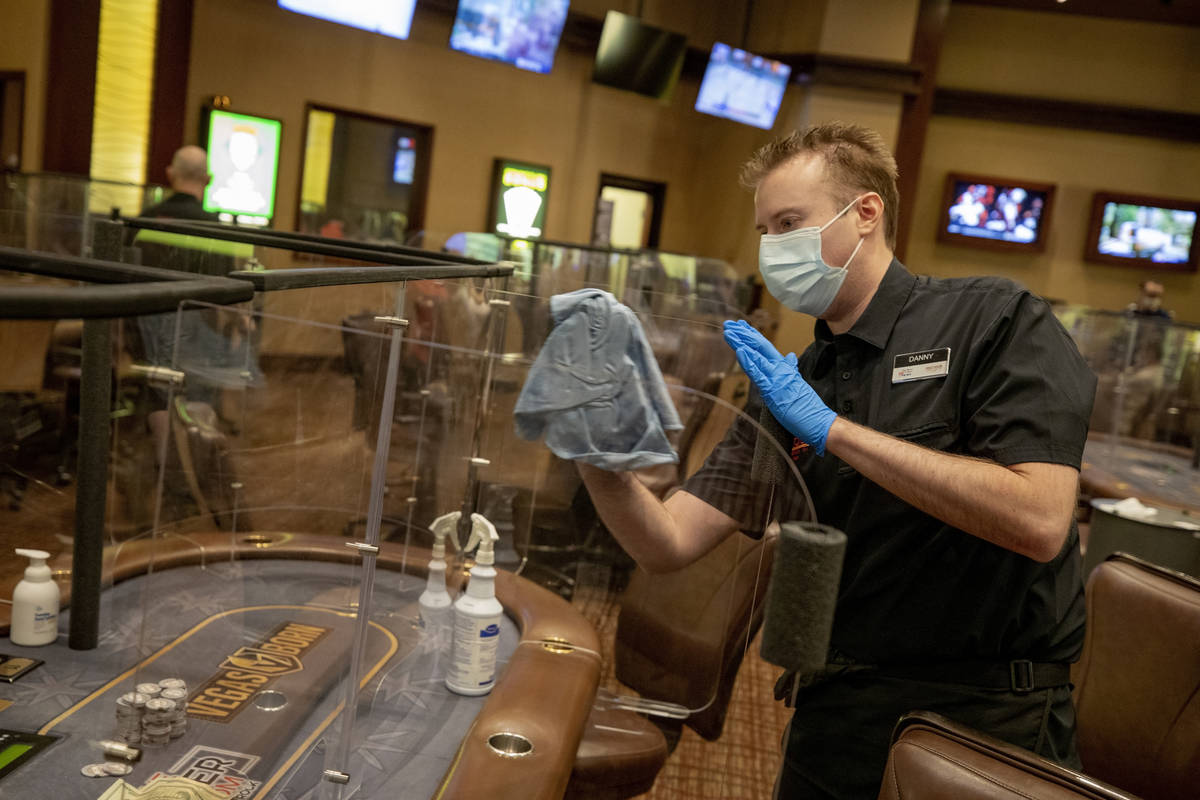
(188, 176)
(955, 483)
(1149, 302)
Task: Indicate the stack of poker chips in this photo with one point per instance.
(178, 696)
(153, 714)
(130, 707)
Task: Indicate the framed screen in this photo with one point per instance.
(519, 195)
(638, 58)
(389, 17)
(523, 33)
(243, 159)
(404, 165)
(1142, 231)
(742, 87)
(995, 213)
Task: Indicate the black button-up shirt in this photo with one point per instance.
(913, 588)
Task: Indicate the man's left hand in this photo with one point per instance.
(787, 395)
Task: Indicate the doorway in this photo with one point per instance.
(12, 106)
(628, 212)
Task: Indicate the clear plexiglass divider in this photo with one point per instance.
(55, 213)
(303, 467)
(1145, 424)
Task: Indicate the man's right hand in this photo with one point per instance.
(789, 397)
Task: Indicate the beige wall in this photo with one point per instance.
(24, 42)
(1120, 62)
(272, 62)
(1053, 55)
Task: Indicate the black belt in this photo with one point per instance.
(1021, 676)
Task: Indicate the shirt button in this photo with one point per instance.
(846, 375)
(847, 406)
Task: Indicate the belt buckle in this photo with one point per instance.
(1020, 676)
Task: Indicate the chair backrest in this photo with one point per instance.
(1137, 693)
(933, 758)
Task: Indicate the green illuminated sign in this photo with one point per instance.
(243, 159)
(519, 196)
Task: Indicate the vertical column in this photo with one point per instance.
(92, 481)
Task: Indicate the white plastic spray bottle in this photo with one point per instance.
(477, 615)
(434, 603)
(35, 603)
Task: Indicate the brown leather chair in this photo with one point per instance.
(1137, 695)
(1137, 700)
(681, 635)
(933, 758)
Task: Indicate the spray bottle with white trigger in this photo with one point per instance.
(434, 604)
(477, 615)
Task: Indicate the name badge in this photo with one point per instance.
(921, 366)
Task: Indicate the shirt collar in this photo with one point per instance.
(875, 325)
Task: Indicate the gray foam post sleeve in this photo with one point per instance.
(802, 595)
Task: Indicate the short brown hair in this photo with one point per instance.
(857, 159)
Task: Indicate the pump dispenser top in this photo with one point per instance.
(37, 571)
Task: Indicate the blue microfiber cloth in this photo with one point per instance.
(595, 390)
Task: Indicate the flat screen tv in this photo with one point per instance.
(405, 163)
(389, 17)
(637, 57)
(523, 33)
(243, 159)
(1135, 230)
(995, 213)
(742, 87)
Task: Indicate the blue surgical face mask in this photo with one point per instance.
(795, 273)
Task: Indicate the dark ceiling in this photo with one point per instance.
(1173, 12)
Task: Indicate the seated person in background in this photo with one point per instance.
(188, 176)
(1149, 302)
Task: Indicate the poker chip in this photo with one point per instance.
(149, 689)
(173, 683)
(94, 770)
(115, 768)
(160, 705)
(173, 693)
(132, 700)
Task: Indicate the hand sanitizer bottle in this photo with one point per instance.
(477, 615)
(35, 603)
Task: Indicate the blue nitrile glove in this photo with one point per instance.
(787, 395)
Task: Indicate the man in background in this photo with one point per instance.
(1149, 302)
(188, 175)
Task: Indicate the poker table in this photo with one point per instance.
(283, 606)
(1155, 473)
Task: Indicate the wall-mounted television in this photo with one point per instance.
(404, 165)
(638, 57)
(523, 33)
(520, 193)
(742, 87)
(243, 159)
(995, 213)
(1136, 230)
(389, 17)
